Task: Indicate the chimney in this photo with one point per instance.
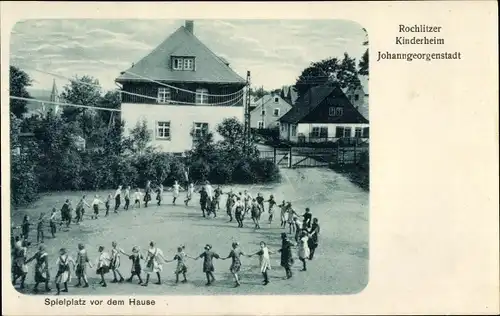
(189, 26)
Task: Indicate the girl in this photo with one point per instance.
(181, 265)
(41, 268)
(25, 227)
(298, 228)
(229, 205)
(286, 255)
(137, 195)
(20, 268)
(291, 214)
(80, 209)
(108, 204)
(63, 270)
(82, 259)
(115, 262)
(52, 222)
(247, 198)
(303, 249)
(260, 201)
(217, 193)
(95, 206)
(307, 218)
(203, 200)
(39, 228)
(255, 209)
(159, 194)
(127, 198)
(147, 196)
(272, 203)
(208, 266)
(136, 258)
(175, 188)
(314, 238)
(265, 261)
(283, 208)
(103, 265)
(152, 263)
(118, 199)
(238, 211)
(235, 255)
(189, 194)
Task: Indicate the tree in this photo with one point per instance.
(82, 91)
(233, 143)
(342, 71)
(19, 81)
(363, 66)
(258, 93)
(139, 138)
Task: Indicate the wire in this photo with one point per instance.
(126, 92)
(65, 104)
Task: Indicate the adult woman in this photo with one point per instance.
(153, 265)
(314, 238)
(303, 249)
(286, 255)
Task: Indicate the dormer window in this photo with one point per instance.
(164, 95)
(183, 63)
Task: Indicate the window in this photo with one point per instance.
(339, 132)
(366, 132)
(319, 132)
(183, 63)
(335, 111)
(283, 128)
(163, 130)
(263, 112)
(356, 97)
(261, 125)
(294, 130)
(276, 112)
(347, 132)
(276, 100)
(200, 129)
(201, 96)
(357, 132)
(163, 95)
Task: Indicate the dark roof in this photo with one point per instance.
(182, 43)
(300, 113)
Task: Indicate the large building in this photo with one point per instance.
(182, 90)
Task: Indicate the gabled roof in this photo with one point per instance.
(265, 100)
(209, 67)
(314, 97)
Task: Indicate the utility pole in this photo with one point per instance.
(247, 130)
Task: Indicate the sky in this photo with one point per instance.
(275, 51)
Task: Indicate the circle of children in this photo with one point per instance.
(237, 207)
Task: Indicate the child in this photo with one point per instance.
(159, 194)
(291, 214)
(307, 218)
(189, 194)
(229, 205)
(95, 206)
(255, 211)
(136, 258)
(26, 227)
(235, 255)
(238, 211)
(283, 209)
(313, 238)
(286, 255)
(247, 198)
(153, 265)
(203, 200)
(217, 195)
(63, 270)
(108, 204)
(147, 195)
(41, 268)
(265, 261)
(304, 252)
(208, 266)
(272, 203)
(127, 198)
(137, 196)
(118, 201)
(175, 188)
(20, 268)
(115, 263)
(298, 227)
(82, 259)
(52, 222)
(260, 201)
(39, 228)
(80, 209)
(103, 265)
(181, 265)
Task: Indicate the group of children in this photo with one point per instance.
(237, 206)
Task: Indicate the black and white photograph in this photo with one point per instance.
(189, 157)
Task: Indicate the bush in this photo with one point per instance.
(24, 180)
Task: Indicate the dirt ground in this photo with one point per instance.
(339, 267)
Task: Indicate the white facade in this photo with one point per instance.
(171, 124)
(315, 132)
(268, 111)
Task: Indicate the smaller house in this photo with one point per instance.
(267, 112)
(289, 94)
(359, 96)
(323, 114)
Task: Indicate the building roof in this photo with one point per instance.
(289, 94)
(314, 97)
(264, 100)
(209, 67)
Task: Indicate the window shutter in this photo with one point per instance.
(339, 132)
(366, 132)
